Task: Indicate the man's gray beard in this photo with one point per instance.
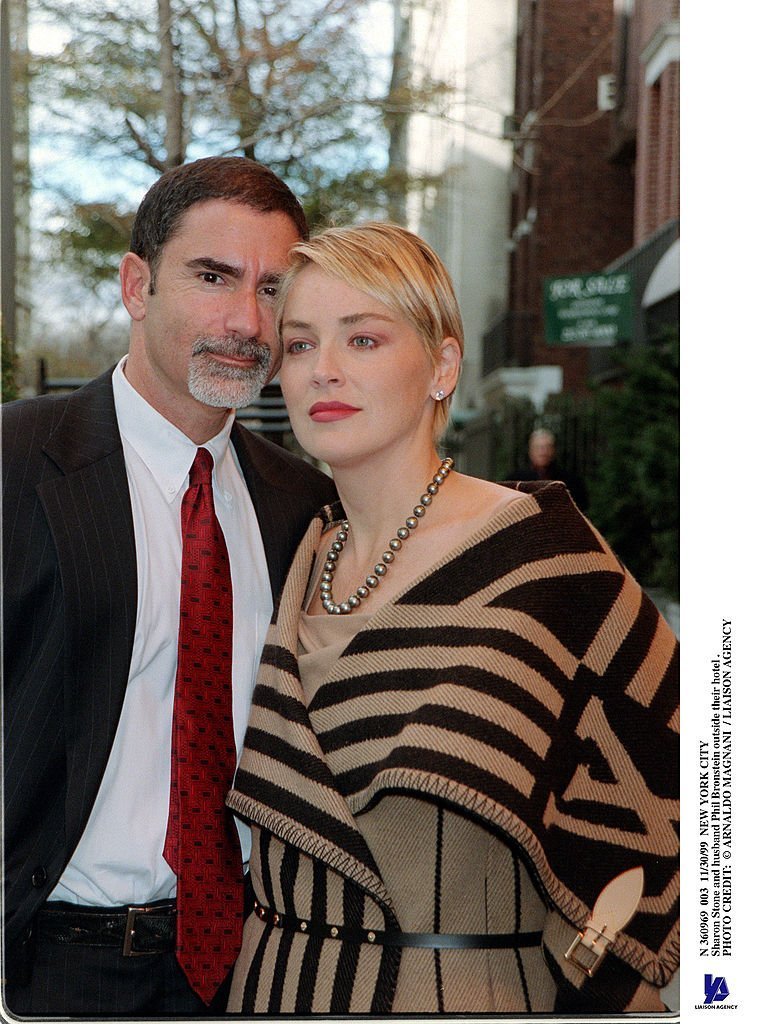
(227, 387)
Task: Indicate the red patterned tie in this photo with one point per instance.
(202, 845)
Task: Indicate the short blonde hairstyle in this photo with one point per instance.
(397, 268)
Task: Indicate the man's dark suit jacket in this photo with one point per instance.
(70, 593)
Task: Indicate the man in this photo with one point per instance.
(94, 485)
(543, 465)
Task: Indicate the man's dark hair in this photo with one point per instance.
(234, 178)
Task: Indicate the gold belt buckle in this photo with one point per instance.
(587, 950)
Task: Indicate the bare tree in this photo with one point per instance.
(140, 88)
(171, 88)
(397, 114)
(284, 81)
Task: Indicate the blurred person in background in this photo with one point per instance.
(542, 464)
(461, 762)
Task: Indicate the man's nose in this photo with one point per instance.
(249, 315)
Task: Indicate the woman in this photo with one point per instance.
(465, 723)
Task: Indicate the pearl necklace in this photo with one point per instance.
(380, 570)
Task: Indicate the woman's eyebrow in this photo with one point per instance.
(354, 318)
(349, 320)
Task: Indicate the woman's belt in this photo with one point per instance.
(417, 940)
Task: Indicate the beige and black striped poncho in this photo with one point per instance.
(512, 718)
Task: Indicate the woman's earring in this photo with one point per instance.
(439, 395)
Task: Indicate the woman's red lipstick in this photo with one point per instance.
(328, 412)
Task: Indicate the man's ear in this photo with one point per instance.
(134, 278)
(448, 366)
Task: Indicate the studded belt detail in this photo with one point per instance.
(418, 940)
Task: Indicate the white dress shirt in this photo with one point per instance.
(119, 859)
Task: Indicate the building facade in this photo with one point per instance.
(457, 147)
(554, 151)
(571, 204)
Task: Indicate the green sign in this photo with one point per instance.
(588, 309)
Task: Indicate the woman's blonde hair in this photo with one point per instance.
(397, 268)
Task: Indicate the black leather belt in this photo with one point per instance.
(418, 940)
(135, 931)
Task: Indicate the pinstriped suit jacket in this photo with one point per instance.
(70, 593)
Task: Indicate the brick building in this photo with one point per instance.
(595, 182)
(557, 155)
(651, 106)
(645, 136)
(571, 205)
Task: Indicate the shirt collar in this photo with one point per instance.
(162, 447)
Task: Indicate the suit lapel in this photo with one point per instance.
(277, 497)
(90, 518)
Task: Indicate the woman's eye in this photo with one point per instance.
(298, 346)
(361, 341)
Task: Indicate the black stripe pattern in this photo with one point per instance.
(526, 684)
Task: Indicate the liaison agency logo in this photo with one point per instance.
(715, 993)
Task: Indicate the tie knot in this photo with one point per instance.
(201, 470)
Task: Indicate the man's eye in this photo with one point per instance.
(210, 277)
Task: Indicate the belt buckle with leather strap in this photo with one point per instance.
(130, 931)
(613, 908)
